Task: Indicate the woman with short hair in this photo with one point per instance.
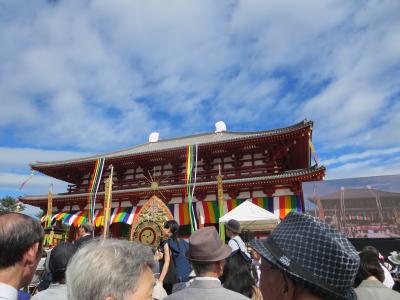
(238, 276)
(370, 277)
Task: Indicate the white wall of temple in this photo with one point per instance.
(200, 168)
(228, 159)
(126, 204)
(75, 207)
(258, 162)
(282, 192)
(247, 163)
(166, 173)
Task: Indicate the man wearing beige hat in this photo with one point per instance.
(207, 254)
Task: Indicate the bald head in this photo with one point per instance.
(18, 232)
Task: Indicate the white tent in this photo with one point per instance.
(251, 217)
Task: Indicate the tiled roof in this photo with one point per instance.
(227, 182)
(176, 143)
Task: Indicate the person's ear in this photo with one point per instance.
(221, 264)
(31, 256)
(289, 288)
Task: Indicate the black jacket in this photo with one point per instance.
(81, 241)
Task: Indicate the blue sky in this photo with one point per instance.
(85, 77)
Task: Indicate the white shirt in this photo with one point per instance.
(236, 243)
(388, 282)
(208, 278)
(8, 292)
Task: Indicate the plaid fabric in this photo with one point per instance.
(314, 254)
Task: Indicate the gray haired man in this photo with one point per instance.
(85, 234)
(21, 240)
(111, 270)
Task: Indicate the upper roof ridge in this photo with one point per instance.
(178, 142)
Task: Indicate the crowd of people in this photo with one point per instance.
(303, 258)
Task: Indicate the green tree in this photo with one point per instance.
(9, 203)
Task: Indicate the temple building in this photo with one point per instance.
(360, 212)
(267, 167)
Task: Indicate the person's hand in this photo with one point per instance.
(158, 255)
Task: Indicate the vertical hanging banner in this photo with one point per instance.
(49, 206)
(190, 182)
(220, 204)
(94, 186)
(107, 202)
(314, 154)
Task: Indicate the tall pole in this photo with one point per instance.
(49, 206)
(220, 203)
(378, 203)
(107, 203)
(342, 208)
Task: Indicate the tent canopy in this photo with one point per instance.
(251, 217)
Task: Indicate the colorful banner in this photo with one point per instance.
(360, 216)
(94, 186)
(280, 206)
(118, 215)
(313, 152)
(190, 182)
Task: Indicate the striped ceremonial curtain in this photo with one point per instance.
(118, 215)
(280, 206)
(360, 216)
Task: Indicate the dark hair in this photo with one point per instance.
(237, 275)
(18, 232)
(371, 249)
(369, 266)
(59, 258)
(201, 268)
(173, 226)
(88, 227)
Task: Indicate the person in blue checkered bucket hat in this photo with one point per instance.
(305, 258)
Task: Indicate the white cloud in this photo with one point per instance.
(10, 183)
(351, 157)
(16, 158)
(14, 170)
(364, 84)
(96, 76)
(371, 167)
